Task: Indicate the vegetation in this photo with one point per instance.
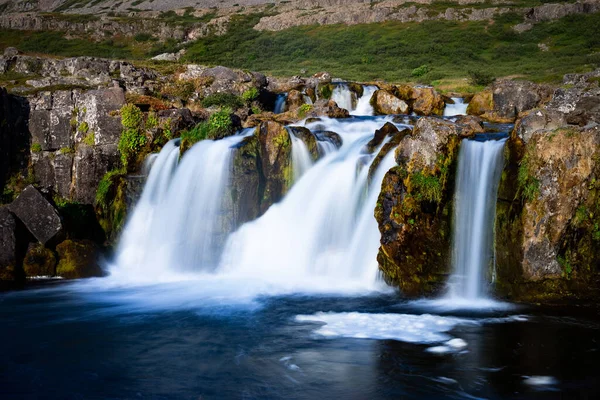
(218, 126)
(250, 95)
(90, 139)
(529, 185)
(223, 100)
(36, 148)
(133, 138)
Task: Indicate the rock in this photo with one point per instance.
(246, 183)
(294, 100)
(471, 122)
(179, 119)
(545, 248)
(10, 247)
(90, 164)
(224, 80)
(169, 56)
(10, 52)
(387, 130)
(78, 259)
(39, 261)
(413, 209)
(331, 137)
(507, 99)
(14, 137)
(38, 215)
(284, 85)
(275, 148)
(426, 101)
(391, 145)
(328, 108)
(307, 137)
(385, 103)
(536, 121)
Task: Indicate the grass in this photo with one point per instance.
(427, 52)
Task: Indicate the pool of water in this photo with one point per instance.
(88, 340)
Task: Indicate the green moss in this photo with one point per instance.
(89, 139)
(36, 148)
(326, 91)
(111, 206)
(528, 185)
(133, 138)
(304, 109)
(67, 150)
(152, 120)
(83, 127)
(425, 187)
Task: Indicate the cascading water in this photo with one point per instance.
(343, 96)
(301, 159)
(480, 166)
(458, 108)
(323, 233)
(177, 225)
(280, 103)
(363, 106)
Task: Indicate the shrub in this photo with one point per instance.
(196, 134)
(131, 116)
(480, 78)
(132, 138)
(220, 122)
(223, 100)
(419, 71)
(152, 120)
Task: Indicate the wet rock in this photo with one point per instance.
(39, 261)
(275, 147)
(330, 137)
(307, 137)
(78, 259)
(38, 215)
(328, 108)
(246, 183)
(385, 103)
(387, 130)
(391, 145)
(413, 209)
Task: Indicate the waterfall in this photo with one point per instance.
(343, 96)
(363, 106)
(177, 226)
(480, 166)
(301, 158)
(280, 103)
(323, 233)
(458, 108)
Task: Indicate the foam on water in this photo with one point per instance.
(458, 108)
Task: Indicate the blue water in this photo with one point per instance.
(87, 341)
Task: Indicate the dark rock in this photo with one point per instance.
(78, 259)
(10, 247)
(14, 136)
(275, 148)
(89, 166)
(391, 145)
(329, 136)
(386, 130)
(39, 261)
(247, 182)
(38, 215)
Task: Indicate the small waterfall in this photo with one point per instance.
(343, 96)
(363, 107)
(480, 166)
(301, 159)
(280, 103)
(177, 225)
(458, 108)
(323, 232)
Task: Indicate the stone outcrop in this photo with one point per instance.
(414, 208)
(546, 224)
(14, 137)
(384, 103)
(11, 247)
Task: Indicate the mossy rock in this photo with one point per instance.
(39, 261)
(78, 259)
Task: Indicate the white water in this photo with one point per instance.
(458, 108)
(301, 159)
(280, 103)
(323, 234)
(322, 237)
(175, 223)
(480, 166)
(343, 96)
(363, 106)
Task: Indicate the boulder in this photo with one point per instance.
(481, 103)
(387, 130)
(295, 100)
(90, 164)
(246, 182)
(38, 215)
(78, 259)
(385, 103)
(538, 120)
(427, 101)
(331, 137)
(39, 261)
(391, 145)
